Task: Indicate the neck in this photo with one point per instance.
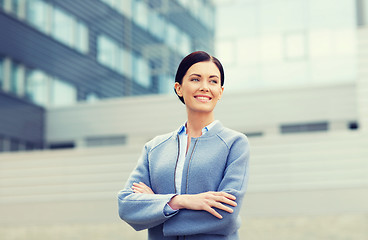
(197, 121)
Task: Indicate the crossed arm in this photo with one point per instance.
(206, 201)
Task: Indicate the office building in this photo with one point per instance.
(57, 53)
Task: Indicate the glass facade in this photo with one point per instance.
(15, 78)
(37, 15)
(55, 53)
(37, 87)
(110, 54)
(57, 23)
(280, 43)
(62, 93)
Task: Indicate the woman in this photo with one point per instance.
(189, 184)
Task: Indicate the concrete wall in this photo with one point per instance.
(305, 186)
(141, 118)
(362, 88)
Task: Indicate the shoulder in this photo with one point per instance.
(231, 137)
(159, 140)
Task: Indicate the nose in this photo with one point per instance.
(204, 86)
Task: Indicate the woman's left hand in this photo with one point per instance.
(142, 188)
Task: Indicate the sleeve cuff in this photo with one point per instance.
(168, 211)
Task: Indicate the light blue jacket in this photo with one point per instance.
(216, 161)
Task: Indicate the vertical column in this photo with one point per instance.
(362, 83)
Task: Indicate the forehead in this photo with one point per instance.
(204, 68)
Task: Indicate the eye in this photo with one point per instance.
(214, 81)
(194, 80)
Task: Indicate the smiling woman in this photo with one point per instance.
(189, 184)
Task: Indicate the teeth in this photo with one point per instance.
(203, 98)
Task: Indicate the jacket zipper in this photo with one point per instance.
(186, 186)
(176, 164)
(191, 154)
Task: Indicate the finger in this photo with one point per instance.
(213, 212)
(223, 199)
(137, 190)
(225, 194)
(222, 207)
(140, 186)
(143, 188)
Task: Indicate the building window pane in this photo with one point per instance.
(37, 14)
(140, 13)
(14, 145)
(1, 72)
(15, 78)
(166, 84)
(15, 6)
(81, 37)
(2, 4)
(62, 93)
(141, 71)
(171, 37)
(36, 87)
(106, 51)
(92, 97)
(295, 46)
(126, 8)
(62, 28)
(156, 25)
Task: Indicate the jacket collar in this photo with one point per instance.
(213, 130)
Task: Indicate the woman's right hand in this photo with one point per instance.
(206, 201)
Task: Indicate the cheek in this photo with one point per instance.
(216, 91)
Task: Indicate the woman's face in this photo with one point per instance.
(201, 87)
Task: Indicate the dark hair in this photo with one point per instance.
(191, 59)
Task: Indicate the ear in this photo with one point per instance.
(177, 87)
(220, 95)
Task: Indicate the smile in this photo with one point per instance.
(202, 98)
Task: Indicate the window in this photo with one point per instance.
(1, 72)
(140, 13)
(166, 84)
(62, 93)
(126, 8)
(14, 145)
(37, 14)
(81, 37)
(105, 141)
(157, 25)
(295, 46)
(2, 4)
(106, 51)
(109, 53)
(36, 87)
(16, 79)
(183, 43)
(62, 28)
(91, 97)
(172, 33)
(307, 127)
(141, 71)
(2, 140)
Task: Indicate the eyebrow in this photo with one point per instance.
(199, 75)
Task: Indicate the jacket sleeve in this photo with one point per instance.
(189, 222)
(142, 211)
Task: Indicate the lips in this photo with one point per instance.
(203, 98)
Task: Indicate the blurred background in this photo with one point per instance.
(84, 84)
